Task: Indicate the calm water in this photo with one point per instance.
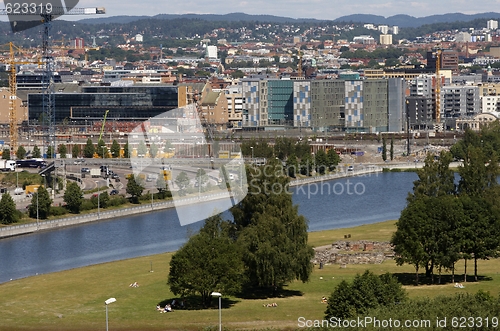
(333, 204)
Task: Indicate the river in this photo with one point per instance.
(332, 204)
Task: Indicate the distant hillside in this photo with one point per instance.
(406, 21)
(232, 17)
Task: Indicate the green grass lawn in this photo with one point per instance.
(74, 299)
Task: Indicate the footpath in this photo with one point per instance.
(343, 172)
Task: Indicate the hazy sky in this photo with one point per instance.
(320, 9)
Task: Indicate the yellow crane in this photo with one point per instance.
(13, 129)
(103, 123)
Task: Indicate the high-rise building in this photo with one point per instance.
(328, 104)
(384, 29)
(211, 52)
(301, 103)
(386, 39)
(395, 29)
(78, 43)
(492, 25)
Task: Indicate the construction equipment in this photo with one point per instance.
(30, 18)
(14, 134)
(103, 123)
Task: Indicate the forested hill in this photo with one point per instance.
(403, 21)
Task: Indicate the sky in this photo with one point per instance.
(319, 9)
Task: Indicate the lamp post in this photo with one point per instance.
(98, 202)
(218, 294)
(107, 302)
(37, 225)
(251, 147)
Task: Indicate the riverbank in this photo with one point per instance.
(16, 230)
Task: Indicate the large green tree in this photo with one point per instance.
(73, 197)
(134, 188)
(8, 212)
(75, 151)
(36, 152)
(115, 149)
(20, 153)
(6, 154)
(210, 261)
(89, 149)
(41, 200)
(271, 232)
(182, 182)
(62, 150)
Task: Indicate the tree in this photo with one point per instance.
(73, 197)
(20, 153)
(367, 291)
(153, 150)
(333, 159)
(62, 150)
(306, 164)
(115, 149)
(182, 182)
(201, 177)
(102, 150)
(292, 166)
(271, 232)
(75, 151)
(134, 188)
(384, 150)
(141, 149)
(8, 212)
(50, 152)
(210, 261)
(6, 154)
(43, 202)
(36, 152)
(89, 149)
(321, 161)
(391, 151)
(126, 150)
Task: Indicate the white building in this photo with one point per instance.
(384, 29)
(139, 38)
(492, 25)
(490, 104)
(386, 39)
(211, 52)
(395, 29)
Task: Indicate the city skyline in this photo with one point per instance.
(318, 9)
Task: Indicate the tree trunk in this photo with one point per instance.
(465, 271)
(439, 278)
(453, 272)
(416, 275)
(475, 268)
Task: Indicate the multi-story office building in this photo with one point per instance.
(279, 102)
(234, 98)
(490, 104)
(458, 101)
(386, 39)
(255, 102)
(301, 103)
(354, 120)
(374, 105)
(328, 104)
(131, 103)
(492, 25)
(396, 104)
(419, 112)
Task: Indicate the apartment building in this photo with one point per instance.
(302, 103)
(280, 102)
(374, 109)
(328, 104)
(459, 101)
(490, 104)
(234, 98)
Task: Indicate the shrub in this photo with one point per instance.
(58, 211)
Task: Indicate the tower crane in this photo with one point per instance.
(30, 17)
(13, 132)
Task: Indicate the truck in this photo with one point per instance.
(7, 165)
(95, 172)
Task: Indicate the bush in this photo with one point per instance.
(117, 201)
(87, 205)
(58, 211)
(367, 291)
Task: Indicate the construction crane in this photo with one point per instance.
(14, 134)
(103, 123)
(30, 18)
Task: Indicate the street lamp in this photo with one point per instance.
(36, 191)
(218, 294)
(98, 203)
(251, 147)
(107, 302)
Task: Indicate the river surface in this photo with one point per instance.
(329, 205)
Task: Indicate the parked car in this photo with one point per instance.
(85, 170)
(113, 192)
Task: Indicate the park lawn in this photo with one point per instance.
(74, 299)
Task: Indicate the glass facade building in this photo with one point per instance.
(130, 103)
